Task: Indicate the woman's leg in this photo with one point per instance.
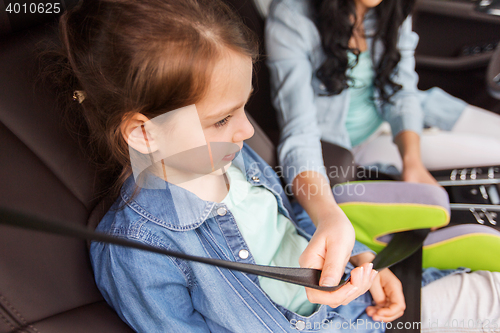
(448, 150)
(475, 120)
(380, 149)
(465, 302)
(473, 141)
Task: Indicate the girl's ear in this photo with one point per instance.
(136, 133)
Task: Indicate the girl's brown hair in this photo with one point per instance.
(148, 56)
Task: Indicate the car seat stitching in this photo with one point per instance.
(17, 313)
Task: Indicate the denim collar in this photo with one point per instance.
(369, 21)
(176, 208)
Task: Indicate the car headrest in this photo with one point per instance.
(30, 111)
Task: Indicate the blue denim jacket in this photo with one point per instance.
(156, 293)
(305, 115)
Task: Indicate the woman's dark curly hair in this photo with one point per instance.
(334, 20)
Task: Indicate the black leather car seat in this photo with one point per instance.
(46, 282)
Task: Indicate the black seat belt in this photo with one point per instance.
(402, 245)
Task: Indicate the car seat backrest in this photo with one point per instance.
(46, 282)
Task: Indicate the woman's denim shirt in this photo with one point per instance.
(156, 293)
(306, 115)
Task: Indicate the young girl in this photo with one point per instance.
(162, 86)
(168, 80)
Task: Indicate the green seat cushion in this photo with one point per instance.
(468, 245)
(380, 208)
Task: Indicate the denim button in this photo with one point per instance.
(255, 179)
(243, 254)
(221, 211)
(300, 325)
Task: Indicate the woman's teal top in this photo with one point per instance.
(362, 116)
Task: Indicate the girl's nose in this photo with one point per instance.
(245, 130)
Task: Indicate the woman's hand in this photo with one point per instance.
(387, 293)
(414, 171)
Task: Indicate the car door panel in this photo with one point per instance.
(456, 45)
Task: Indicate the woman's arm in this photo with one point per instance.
(404, 111)
(290, 39)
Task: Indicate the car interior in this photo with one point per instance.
(46, 281)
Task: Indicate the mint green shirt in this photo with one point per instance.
(362, 117)
(271, 238)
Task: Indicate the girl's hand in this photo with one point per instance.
(330, 247)
(329, 250)
(361, 280)
(387, 293)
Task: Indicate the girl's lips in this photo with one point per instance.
(229, 157)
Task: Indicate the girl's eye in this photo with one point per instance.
(222, 122)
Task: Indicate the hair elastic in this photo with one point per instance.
(79, 95)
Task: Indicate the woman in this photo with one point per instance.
(341, 68)
(340, 71)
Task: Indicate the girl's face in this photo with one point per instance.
(203, 138)
(221, 111)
